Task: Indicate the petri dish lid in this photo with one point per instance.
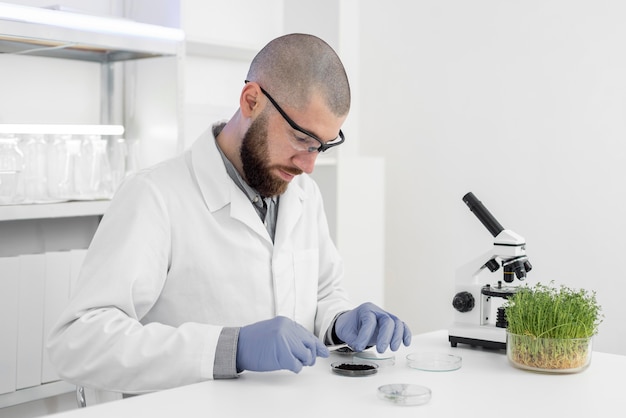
(354, 369)
(404, 394)
(434, 362)
(344, 351)
(384, 359)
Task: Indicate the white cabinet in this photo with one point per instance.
(42, 245)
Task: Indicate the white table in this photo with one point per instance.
(485, 386)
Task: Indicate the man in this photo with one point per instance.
(220, 260)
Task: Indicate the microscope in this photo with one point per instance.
(474, 312)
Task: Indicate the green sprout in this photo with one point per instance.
(551, 328)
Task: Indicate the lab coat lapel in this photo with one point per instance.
(209, 172)
(217, 188)
(289, 212)
(242, 210)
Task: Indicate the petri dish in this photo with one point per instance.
(383, 360)
(404, 394)
(354, 369)
(434, 362)
(343, 351)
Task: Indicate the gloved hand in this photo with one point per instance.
(369, 325)
(275, 344)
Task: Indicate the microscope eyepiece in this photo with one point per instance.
(481, 212)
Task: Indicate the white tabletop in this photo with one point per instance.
(486, 385)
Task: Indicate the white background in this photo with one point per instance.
(522, 103)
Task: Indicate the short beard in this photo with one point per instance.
(254, 154)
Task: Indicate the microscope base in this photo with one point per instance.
(488, 336)
(496, 345)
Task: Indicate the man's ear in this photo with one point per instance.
(249, 100)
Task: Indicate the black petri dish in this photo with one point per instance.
(346, 368)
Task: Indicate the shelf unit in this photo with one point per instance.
(69, 35)
(109, 42)
(38, 392)
(53, 210)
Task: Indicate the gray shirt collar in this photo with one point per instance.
(254, 196)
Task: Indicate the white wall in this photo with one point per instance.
(523, 103)
(212, 84)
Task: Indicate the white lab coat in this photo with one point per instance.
(181, 253)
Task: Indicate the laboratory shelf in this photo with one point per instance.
(53, 210)
(33, 393)
(71, 35)
(60, 129)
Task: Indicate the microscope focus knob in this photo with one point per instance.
(463, 301)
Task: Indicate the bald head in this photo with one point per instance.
(294, 66)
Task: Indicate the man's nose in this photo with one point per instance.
(306, 161)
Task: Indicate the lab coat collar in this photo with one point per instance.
(219, 190)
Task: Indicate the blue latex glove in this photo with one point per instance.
(369, 325)
(276, 344)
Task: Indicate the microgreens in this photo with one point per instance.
(545, 311)
(550, 329)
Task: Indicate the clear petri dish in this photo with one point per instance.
(434, 362)
(343, 351)
(383, 360)
(404, 394)
(354, 369)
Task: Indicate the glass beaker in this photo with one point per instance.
(83, 177)
(11, 167)
(35, 168)
(117, 158)
(99, 172)
(63, 156)
(87, 175)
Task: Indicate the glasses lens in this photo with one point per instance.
(304, 144)
(335, 141)
(330, 144)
